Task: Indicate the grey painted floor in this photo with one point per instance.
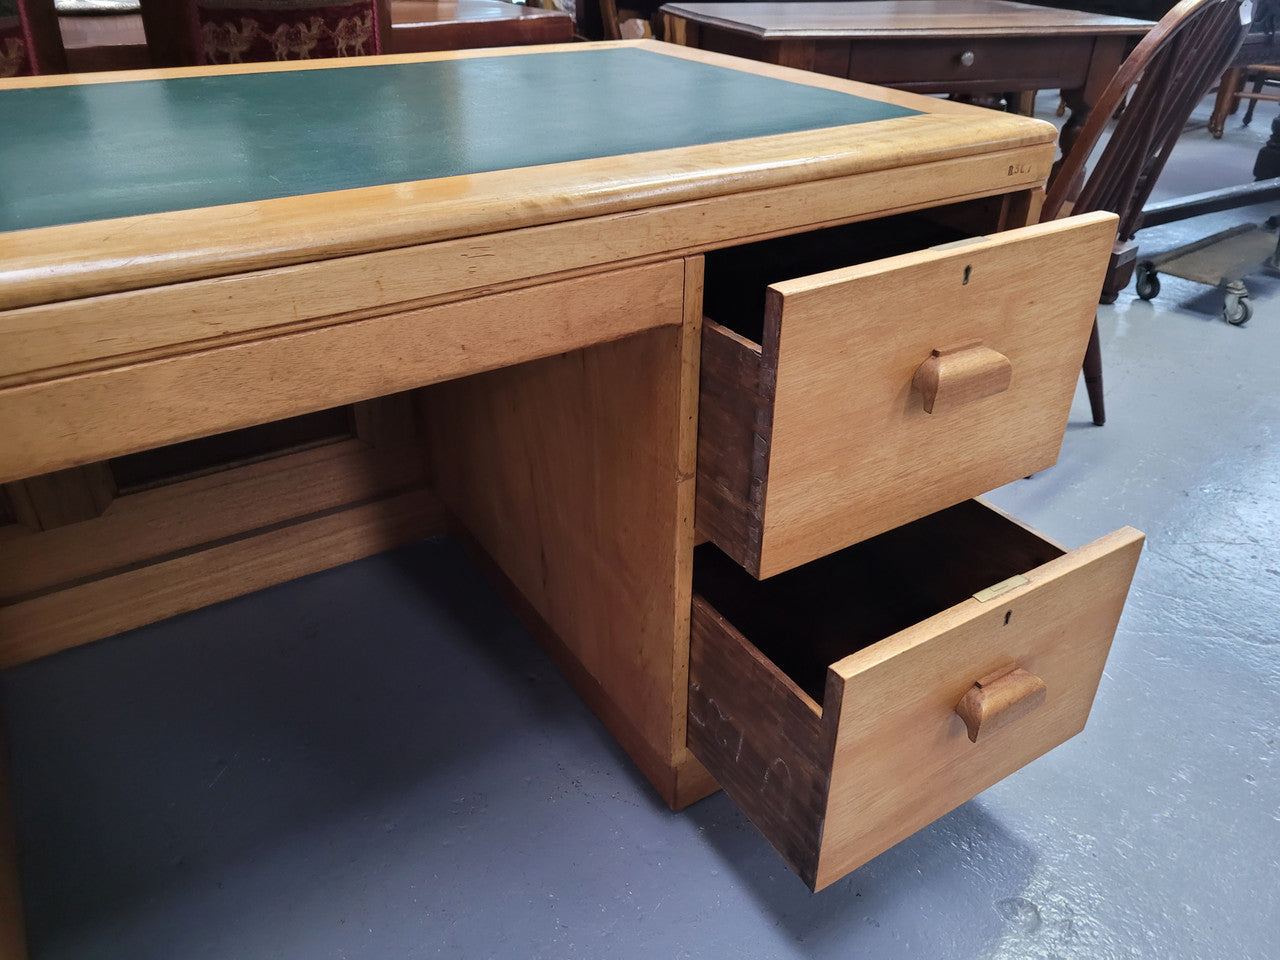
(377, 761)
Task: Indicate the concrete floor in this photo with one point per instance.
(377, 761)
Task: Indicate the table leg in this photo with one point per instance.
(1108, 54)
(1226, 103)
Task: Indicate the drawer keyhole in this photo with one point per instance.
(967, 271)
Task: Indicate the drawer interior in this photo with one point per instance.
(810, 617)
(736, 278)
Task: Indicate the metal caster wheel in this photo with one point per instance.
(1237, 310)
(1147, 282)
(1236, 306)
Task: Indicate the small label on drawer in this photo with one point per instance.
(957, 244)
(999, 589)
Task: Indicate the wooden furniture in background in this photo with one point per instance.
(928, 46)
(423, 25)
(531, 342)
(185, 32)
(1232, 91)
(107, 42)
(30, 42)
(118, 41)
(1259, 48)
(1154, 91)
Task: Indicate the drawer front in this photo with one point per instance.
(207, 388)
(833, 443)
(1004, 63)
(835, 779)
(903, 756)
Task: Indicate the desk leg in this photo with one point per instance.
(12, 928)
(573, 475)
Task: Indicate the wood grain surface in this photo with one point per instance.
(92, 416)
(837, 755)
(903, 757)
(847, 463)
(173, 518)
(762, 738)
(101, 607)
(575, 475)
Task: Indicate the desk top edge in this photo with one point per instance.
(48, 264)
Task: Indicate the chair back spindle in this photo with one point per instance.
(1154, 92)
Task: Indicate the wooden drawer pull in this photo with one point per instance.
(961, 373)
(998, 699)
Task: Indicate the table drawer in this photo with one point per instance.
(833, 420)
(1006, 63)
(825, 700)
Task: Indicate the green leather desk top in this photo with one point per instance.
(72, 154)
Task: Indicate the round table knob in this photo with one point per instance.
(967, 58)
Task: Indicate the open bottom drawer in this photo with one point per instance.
(824, 700)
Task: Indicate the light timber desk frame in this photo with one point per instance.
(521, 348)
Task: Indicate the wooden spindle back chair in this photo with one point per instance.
(1154, 92)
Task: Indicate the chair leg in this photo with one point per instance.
(1093, 376)
(1227, 102)
(1253, 102)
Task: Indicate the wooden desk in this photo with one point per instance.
(492, 270)
(929, 46)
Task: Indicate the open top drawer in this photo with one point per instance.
(884, 391)
(836, 703)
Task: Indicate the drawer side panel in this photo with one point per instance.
(735, 414)
(761, 738)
